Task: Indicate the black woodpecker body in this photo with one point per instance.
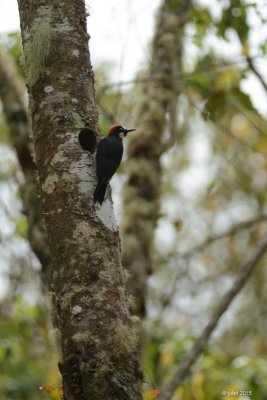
(108, 158)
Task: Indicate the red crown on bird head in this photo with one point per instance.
(113, 129)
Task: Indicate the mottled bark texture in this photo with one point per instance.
(156, 113)
(98, 337)
(12, 94)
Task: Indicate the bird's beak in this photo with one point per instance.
(128, 130)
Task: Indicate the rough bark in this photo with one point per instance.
(156, 110)
(98, 338)
(12, 93)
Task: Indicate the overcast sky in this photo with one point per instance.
(120, 31)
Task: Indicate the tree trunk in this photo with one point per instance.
(98, 338)
(157, 108)
(12, 94)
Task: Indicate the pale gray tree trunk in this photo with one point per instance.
(98, 337)
(156, 113)
(12, 94)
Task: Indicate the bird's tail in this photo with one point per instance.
(100, 191)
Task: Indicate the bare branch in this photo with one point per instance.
(256, 72)
(233, 230)
(178, 76)
(183, 369)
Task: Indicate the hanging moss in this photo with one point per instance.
(39, 48)
(124, 339)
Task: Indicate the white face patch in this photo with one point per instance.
(122, 135)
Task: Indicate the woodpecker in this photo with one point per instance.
(108, 158)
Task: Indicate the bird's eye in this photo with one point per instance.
(122, 129)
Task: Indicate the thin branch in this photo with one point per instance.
(183, 369)
(249, 119)
(256, 72)
(178, 76)
(199, 247)
(233, 230)
(226, 131)
(109, 115)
